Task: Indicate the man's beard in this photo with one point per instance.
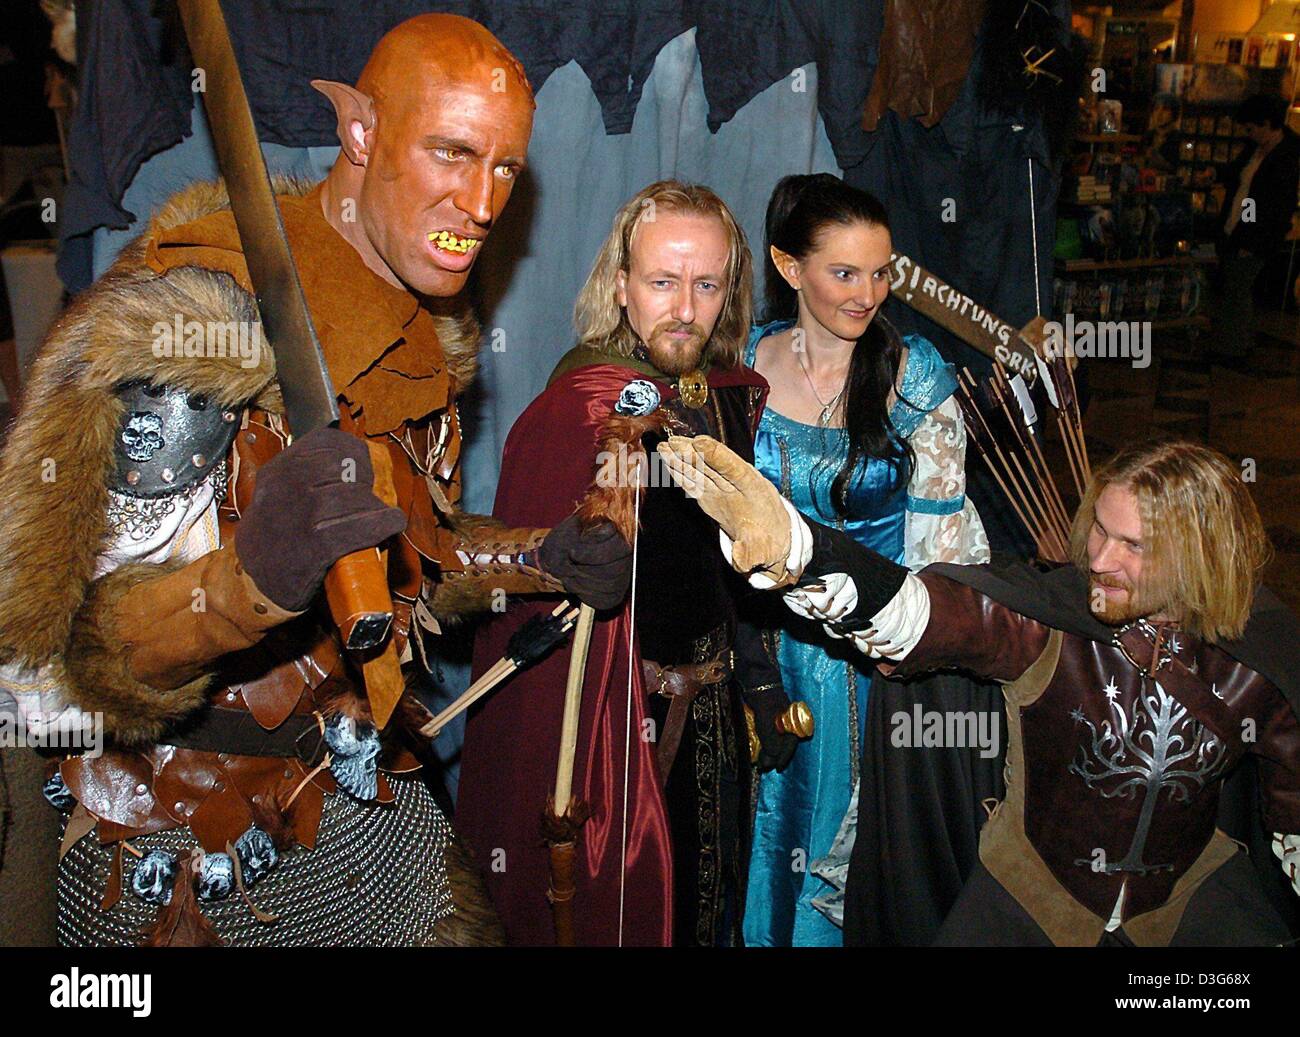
(680, 356)
(1135, 605)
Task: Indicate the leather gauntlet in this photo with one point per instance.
(142, 641)
(591, 564)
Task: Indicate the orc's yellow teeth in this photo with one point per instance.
(451, 243)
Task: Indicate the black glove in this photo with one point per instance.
(312, 504)
(876, 577)
(594, 565)
(776, 749)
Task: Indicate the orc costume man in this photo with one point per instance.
(1120, 736)
(162, 557)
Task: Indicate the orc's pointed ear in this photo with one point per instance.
(356, 117)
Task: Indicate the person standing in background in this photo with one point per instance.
(1262, 186)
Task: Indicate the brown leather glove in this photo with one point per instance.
(594, 565)
(734, 494)
(312, 504)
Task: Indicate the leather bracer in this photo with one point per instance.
(495, 560)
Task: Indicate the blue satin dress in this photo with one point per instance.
(799, 810)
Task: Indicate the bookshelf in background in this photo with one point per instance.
(1143, 188)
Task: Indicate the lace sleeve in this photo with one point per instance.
(941, 524)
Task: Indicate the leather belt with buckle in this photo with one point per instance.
(681, 684)
(686, 679)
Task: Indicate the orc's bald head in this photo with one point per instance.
(433, 136)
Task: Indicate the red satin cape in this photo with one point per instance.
(512, 740)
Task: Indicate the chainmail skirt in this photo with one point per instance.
(377, 878)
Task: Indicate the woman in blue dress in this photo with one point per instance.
(860, 431)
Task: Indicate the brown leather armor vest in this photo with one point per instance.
(1122, 775)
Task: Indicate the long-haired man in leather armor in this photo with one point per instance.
(1137, 681)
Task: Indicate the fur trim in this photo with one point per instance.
(474, 922)
(99, 678)
(458, 334)
(204, 197)
(459, 595)
(58, 458)
(453, 601)
(468, 525)
(345, 700)
(609, 498)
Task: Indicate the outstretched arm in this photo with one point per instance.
(593, 564)
(855, 592)
(762, 535)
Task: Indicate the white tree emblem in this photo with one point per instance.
(1160, 746)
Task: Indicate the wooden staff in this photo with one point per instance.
(613, 496)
